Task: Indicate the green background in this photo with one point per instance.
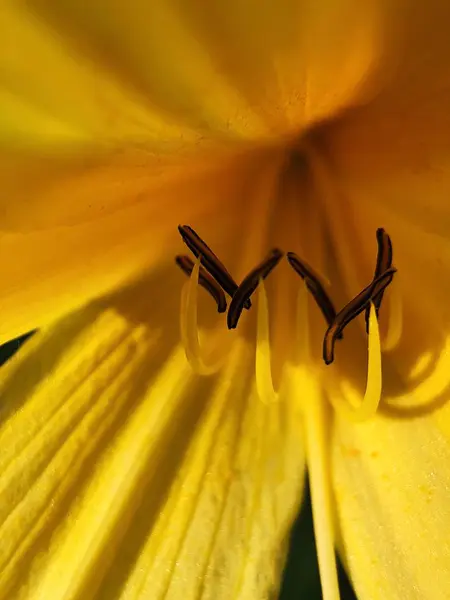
(301, 576)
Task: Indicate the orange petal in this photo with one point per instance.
(233, 70)
(77, 234)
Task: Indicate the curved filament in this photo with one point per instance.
(372, 396)
(263, 367)
(395, 322)
(201, 364)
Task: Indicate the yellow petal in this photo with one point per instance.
(391, 478)
(123, 476)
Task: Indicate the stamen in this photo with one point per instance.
(189, 327)
(384, 255)
(263, 363)
(209, 260)
(395, 321)
(314, 285)
(372, 395)
(205, 280)
(304, 269)
(384, 262)
(249, 285)
(352, 310)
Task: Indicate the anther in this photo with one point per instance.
(384, 262)
(314, 285)
(209, 260)
(205, 280)
(352, 310)
(249, 285)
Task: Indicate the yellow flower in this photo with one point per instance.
(296, 124)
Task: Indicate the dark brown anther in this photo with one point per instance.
(315, 286)
(205, 280)
(352, 310)
(209, 260)
(249, 285)
(384, 262)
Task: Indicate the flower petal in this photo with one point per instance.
(123, 476)
(390, 158)
(397, 145)
(171, 71)
(99, 114)
(388, 166)
(391, 478)
(77, 232)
